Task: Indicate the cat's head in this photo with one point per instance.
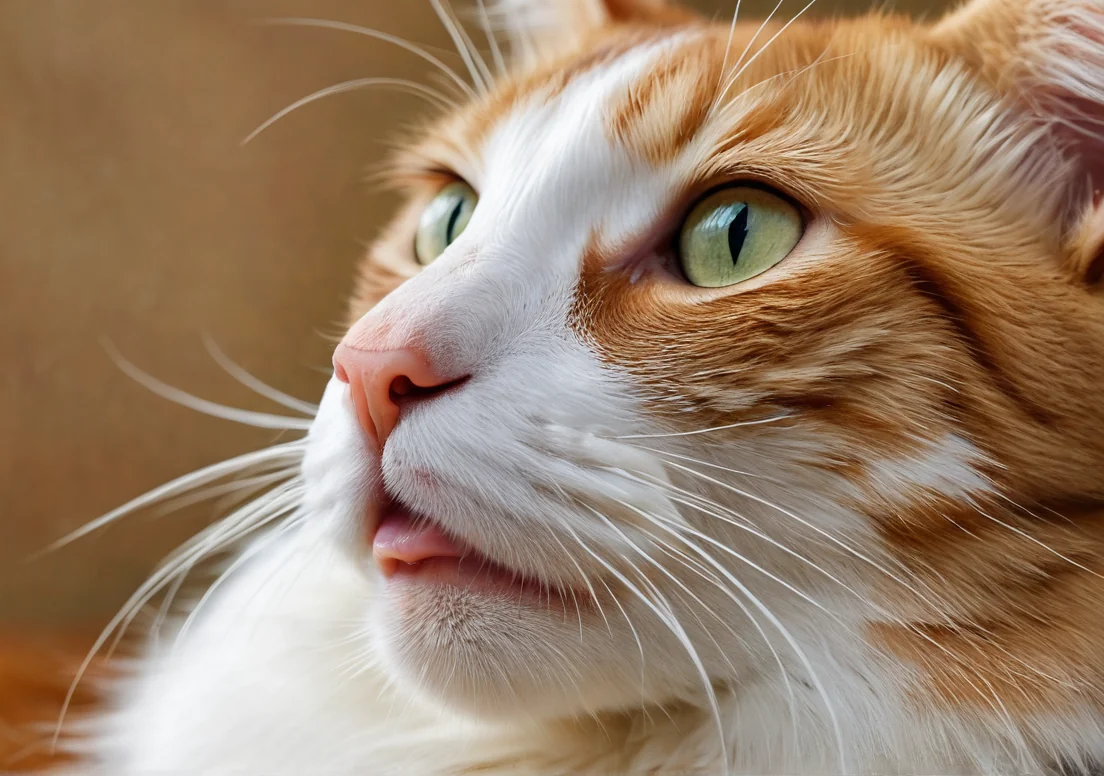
(716, 348)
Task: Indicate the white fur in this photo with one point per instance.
(304, 663)
(949, 468)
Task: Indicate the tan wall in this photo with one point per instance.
(129, 211)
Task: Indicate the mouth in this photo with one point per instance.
(414, 549)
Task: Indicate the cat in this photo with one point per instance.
(724, 399)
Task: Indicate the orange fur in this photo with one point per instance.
(946, 292)
(951, 292)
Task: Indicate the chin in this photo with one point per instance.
(478, 640)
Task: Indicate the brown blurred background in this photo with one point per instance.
(130, 211)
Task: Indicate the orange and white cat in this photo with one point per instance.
(725, 399)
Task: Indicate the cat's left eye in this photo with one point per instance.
(736, 233)
(443, 220)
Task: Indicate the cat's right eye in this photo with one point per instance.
(736, 233)
(443, 220)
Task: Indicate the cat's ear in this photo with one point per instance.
(540, 25)
(1048, 56)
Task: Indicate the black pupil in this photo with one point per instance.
(737, 233)
(454, 216)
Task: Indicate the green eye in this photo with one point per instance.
(443, 220)
(735, 234)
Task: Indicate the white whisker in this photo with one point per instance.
(206, 544)
(185, 399)
(794, 645)
(728, 46)
(586, 581)
(252, 383)
(853, 551)
(1043, 545)
(212, 539)
(492, 39)
(688, 459)
(402, 84)
(657, 520)
(238, 562)
(477, 68)
(288, 451)
(762, 26)
(876, 609)
(757, 54)
(704, 430)
(667, 618)
(735, 519)
(240, 490)
(712, 578)
(694, 566)
(636, 637)
(464, 86)
(234, 492)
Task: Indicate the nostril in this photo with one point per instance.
(383, 382)
(401, 386)
(403, 390)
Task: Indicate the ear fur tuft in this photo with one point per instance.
(539, 24)
(1048, 55)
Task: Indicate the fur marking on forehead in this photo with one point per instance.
(558, 152)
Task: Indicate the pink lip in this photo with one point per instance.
(402, 540)
(407, 548)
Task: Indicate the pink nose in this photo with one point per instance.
(381, 382)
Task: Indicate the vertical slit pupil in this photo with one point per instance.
(454, 216)
(737, 233)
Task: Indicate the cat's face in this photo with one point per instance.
(696, 349)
